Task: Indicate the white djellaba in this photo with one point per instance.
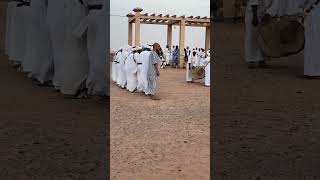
(312, 42)
(207, 70)
(131, 69)
(56, 23)
(10, 11)
(123, 78)
(74, 67)
(17, 38)
(143, 82)
(96, 25)
(114, 67)
(38, 59)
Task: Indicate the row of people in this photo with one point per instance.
(205, 65)
(137, 69)
(60, 43)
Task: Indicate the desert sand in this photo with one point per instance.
(161, 140)
(265, 122)
(45, 136)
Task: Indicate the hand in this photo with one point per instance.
(255, 21)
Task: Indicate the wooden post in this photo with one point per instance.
(181, 42)
(169, 36)
(207, 41)
(130, 34)
(137, 27)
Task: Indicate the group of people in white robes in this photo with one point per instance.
(205, 64)
(60, 43)
(131, 68)
(257, 9)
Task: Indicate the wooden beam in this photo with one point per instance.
(167, 15)
(152, 14)
(162, 18)
(160, 15)
(190, 17)
(198, 17)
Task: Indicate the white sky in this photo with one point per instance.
(195, 36)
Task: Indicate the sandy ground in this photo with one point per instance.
(44, 136)
(266, 121)
(161, 140)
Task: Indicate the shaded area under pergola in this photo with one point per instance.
(138, 18)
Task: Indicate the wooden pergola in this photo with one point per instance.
(138, 18)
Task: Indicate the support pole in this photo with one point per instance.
(169, 36)
(130, 34)
(207, 41)
(181, 43)
(137, 27)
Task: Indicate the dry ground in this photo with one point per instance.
(161, 140)
(266, 122)
(44, 136)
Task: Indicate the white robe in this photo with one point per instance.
(207, 72)
(188, 69)
(143, 83)
(74, 67)
(56, 22)
(167, 55)
(96, 25)
(19, 24)
(312, 43)
(139, 68)
(115, 67)
(123, 78)
(38, 59)
(119, 69)
(131, 73)
(10, 11)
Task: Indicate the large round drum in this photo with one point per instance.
(198, 73)
(281, 36)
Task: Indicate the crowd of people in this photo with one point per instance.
(137, 69)
(171, 57)
(61, 43)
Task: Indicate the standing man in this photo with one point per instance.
(153, 72)
(254, 13)
(312, 40)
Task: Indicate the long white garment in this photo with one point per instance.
(197, 62)
(17, 36)
(10, 9)
(143, 83)
(167, 55)
(131, 73)
(312, 43)
(252, 50)
(188, 69)
(56, 22)
(137, 56)
(74, 67)
(123, 77)
(38, 57)
(119, 69)
(114, 66)
(207, 72)
(96, 23)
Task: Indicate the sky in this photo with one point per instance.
(195, 36)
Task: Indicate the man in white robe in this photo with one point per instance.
(115, 65)
(255, 12)
(19, 24)
(189, 69)
(207, 70)
(312, 40)
(75, 64)
(57, 22)
(137, 57)
(95, 23)
(131, 68)
(38, 58)
(143, 81)
(123, 78)
(167, 55)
